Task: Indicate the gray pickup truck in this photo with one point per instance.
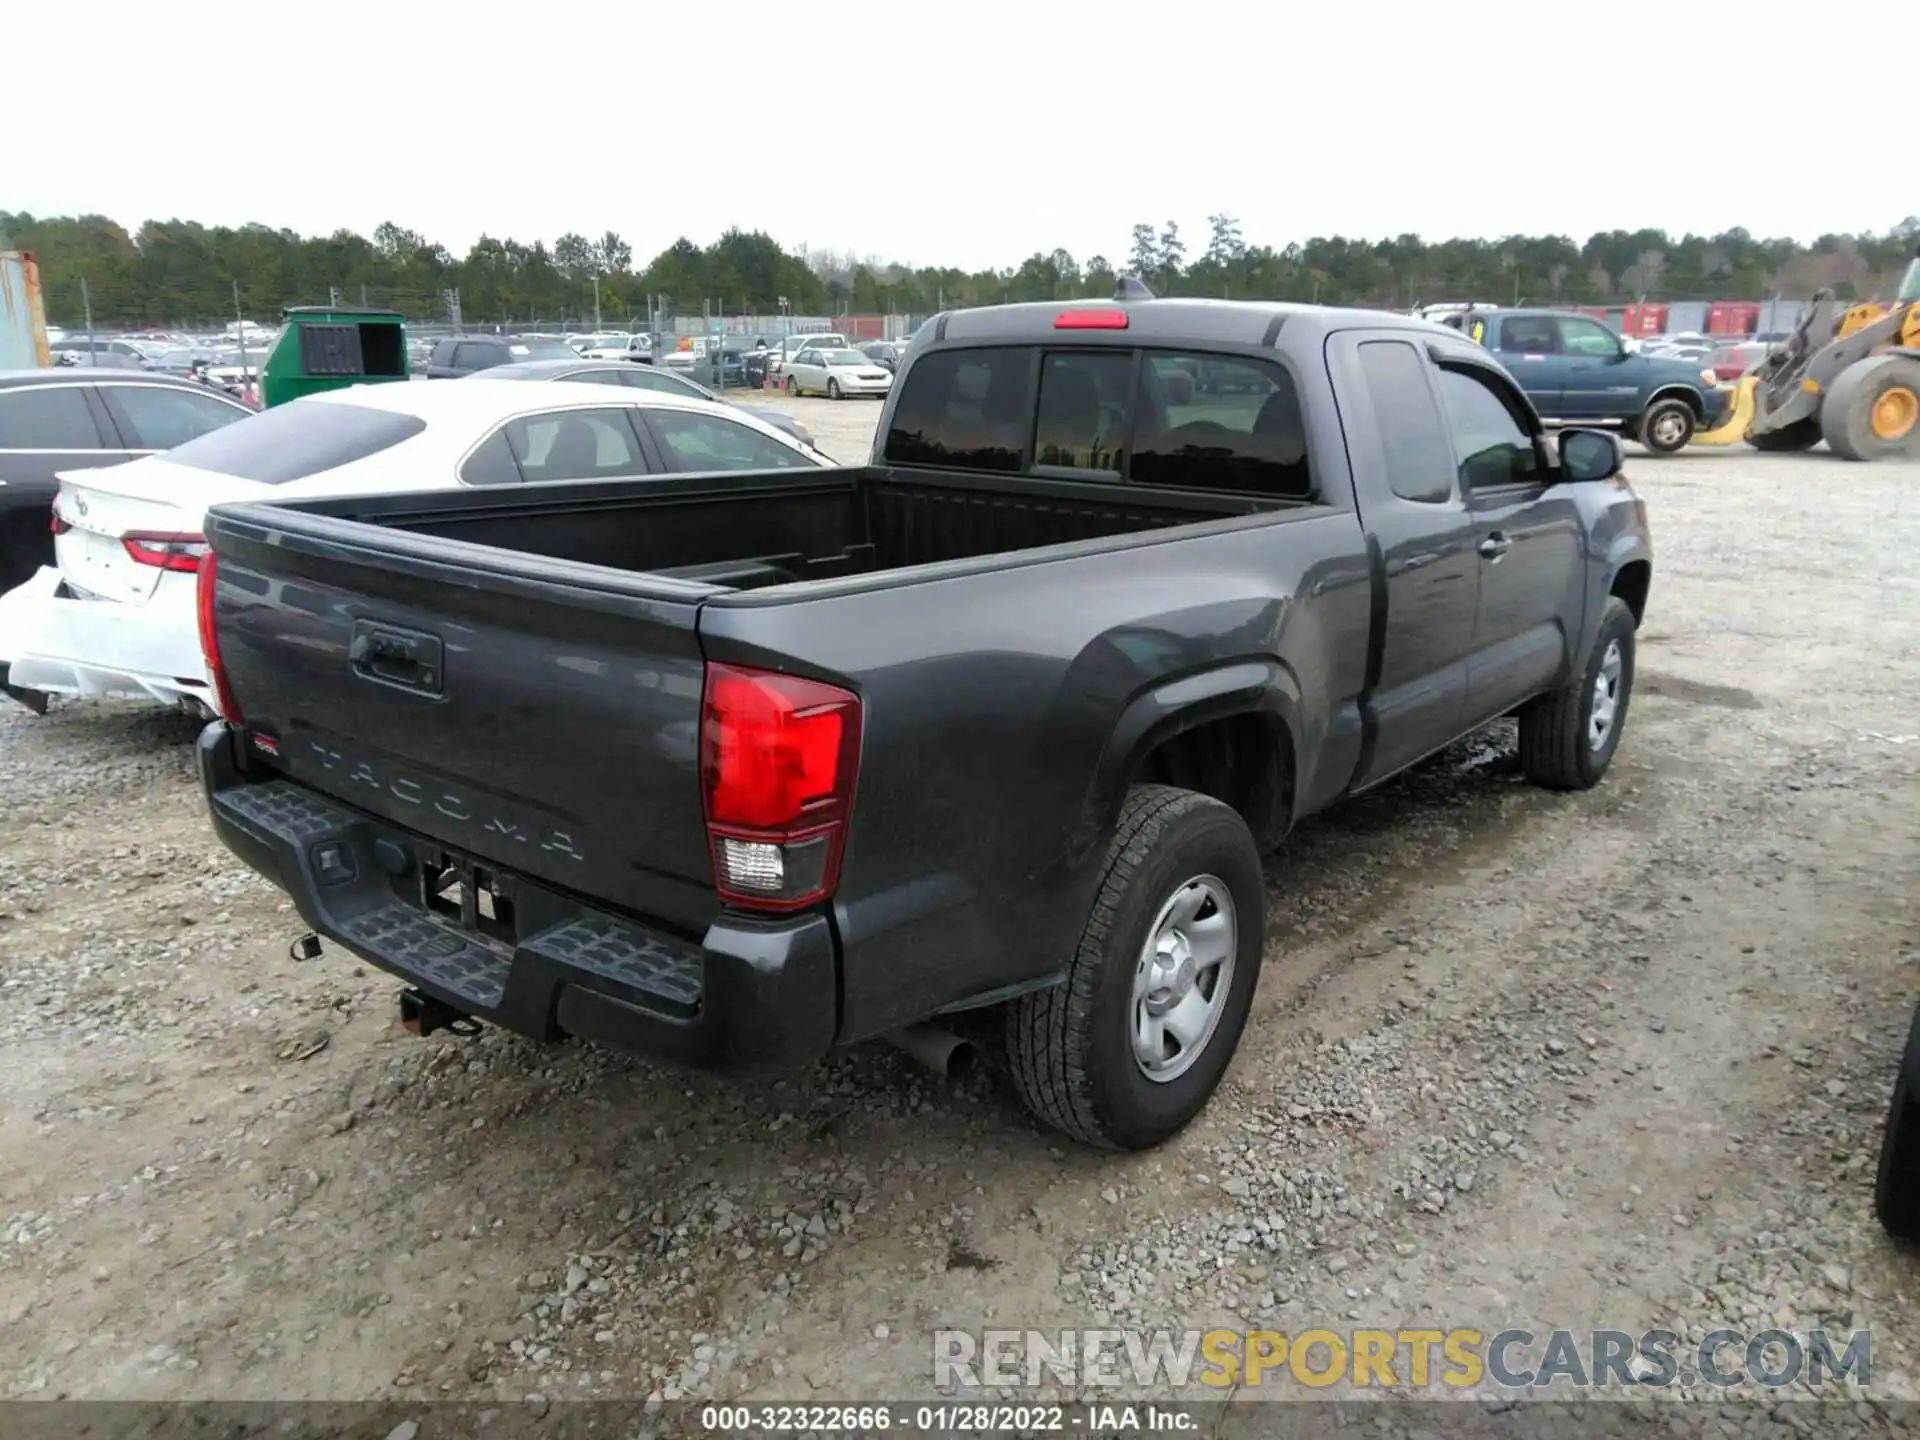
(742, 767)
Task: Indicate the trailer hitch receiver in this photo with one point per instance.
(421, 1014)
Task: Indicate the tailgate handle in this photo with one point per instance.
(409, 659)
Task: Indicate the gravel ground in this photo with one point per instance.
(1617, 1059)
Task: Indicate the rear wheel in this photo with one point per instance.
(1800, 435)
(1129, 1049)
(1873, 409)
(792, 387)
(25, 546)
(1666, 426)
(833, 388)
(1896, 1193)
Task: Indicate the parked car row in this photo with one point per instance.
(100, 561)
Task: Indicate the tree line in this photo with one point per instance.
(179, 272)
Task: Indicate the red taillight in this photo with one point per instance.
(210, 642)
(58, 525)
(1090, 320)
(778, 755)
(166, 552)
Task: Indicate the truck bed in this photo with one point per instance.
(746, 532)
(517, 674)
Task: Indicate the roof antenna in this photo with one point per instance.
(1128, 287)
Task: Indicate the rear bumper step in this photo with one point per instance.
(749, 996)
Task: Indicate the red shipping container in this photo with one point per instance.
(862, 327)
(1644, 320)
(1598, 312)
(1733, 317)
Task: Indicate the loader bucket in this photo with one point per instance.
(1733, 429)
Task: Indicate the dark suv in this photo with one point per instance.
(459, 355)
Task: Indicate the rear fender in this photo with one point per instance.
(1258, 686)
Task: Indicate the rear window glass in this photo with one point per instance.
(298, 439)
(1212, 423)
(1082, 421)
(964, 408)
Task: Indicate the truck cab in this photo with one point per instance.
(1577, 371)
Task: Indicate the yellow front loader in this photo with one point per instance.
(1849, 376)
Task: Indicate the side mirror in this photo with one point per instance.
(1590, 454)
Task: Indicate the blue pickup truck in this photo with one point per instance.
(1576, 370)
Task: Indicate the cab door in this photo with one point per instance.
(1529, 346)
(1600, 379)
(1412, 510)
(1528, 539)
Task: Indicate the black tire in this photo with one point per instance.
(1800, 435)
(1665, 426)
(792, 387)
(1556, 746)
(833, 388)
(1846, 415)
(25, 546)
(1070, 1047)
(1896, 1191)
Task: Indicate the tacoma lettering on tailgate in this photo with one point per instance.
(487, 815)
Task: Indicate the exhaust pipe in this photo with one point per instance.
(935, 1047)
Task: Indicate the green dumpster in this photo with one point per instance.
(328, 347)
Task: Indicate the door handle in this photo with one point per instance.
(408, 659)
(1495, 545)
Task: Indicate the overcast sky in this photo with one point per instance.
(969, 132)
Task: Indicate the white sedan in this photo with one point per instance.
(834, 373)
(115, 615)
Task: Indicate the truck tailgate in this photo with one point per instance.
(545, 723)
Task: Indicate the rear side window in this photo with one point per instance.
(298, 439)
(1530, 335)
(479, 357)
(443, 353)
(575, 445)
(1082, 422)
(153, 418)
(1212, 423)
(1418, 455)
(966, 409)
(593, 377)
(47, 417)
(707, 442)
(492, 463)
(645, 377)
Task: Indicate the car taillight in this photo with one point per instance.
(778, 755)
(210, 642)
(166, 552)
(1090, 320)
(58, 524)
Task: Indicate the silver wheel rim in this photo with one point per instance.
(1606, 697)
(1182, 978)
(1668, 428)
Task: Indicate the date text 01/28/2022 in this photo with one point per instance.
(961, 1419)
